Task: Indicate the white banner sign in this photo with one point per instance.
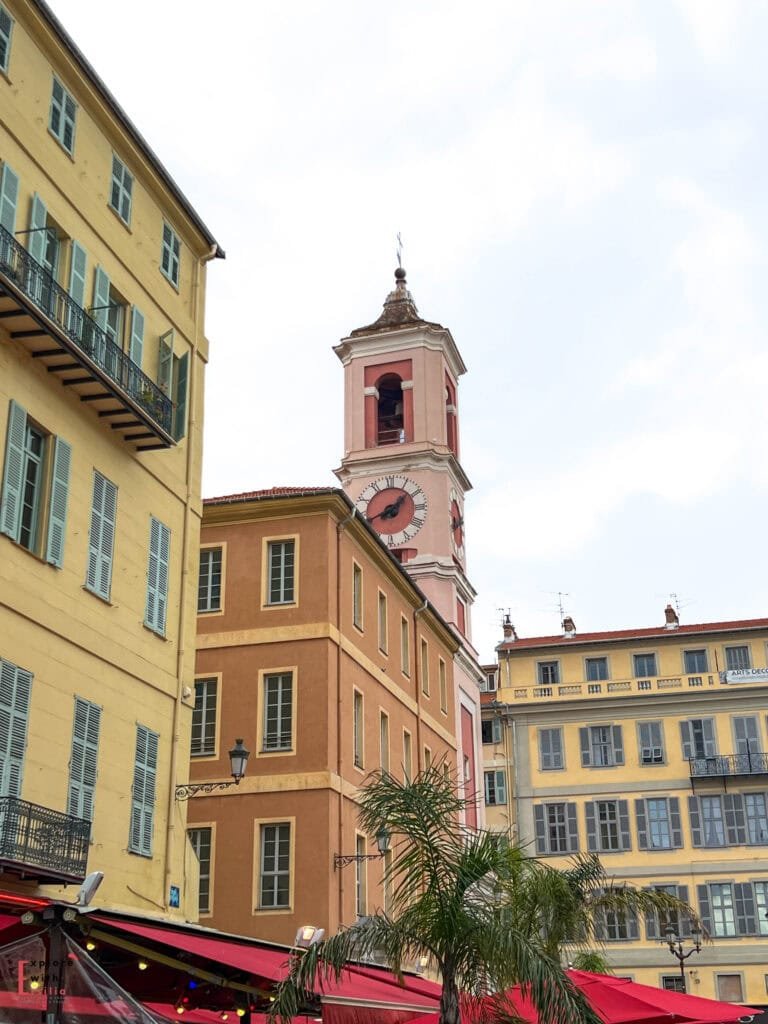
(747, 675)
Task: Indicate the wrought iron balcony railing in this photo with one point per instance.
(37, 842)
(49, 298)
(724, 765)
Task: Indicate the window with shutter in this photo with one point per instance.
(756, 812)
(551, 749)
(84, 758)
(746, 733)
(62, 116)
(137, 336)
(722, 908)
(179, 395)
(157, 576)
(495, 788)
(143, 793)
(170, 255)
(15, 690)
(121, 192)
(650, 742)
(204, 718)
(101, 536)
(9, 197)
(6, 29)
(357, 729)
(57, 510)
(165, 362)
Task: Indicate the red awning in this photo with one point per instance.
(270, 964)
(168, 1012)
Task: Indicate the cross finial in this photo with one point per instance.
(399, 250)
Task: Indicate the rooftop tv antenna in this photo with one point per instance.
(399, 250)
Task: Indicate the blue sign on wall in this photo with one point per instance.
(174, 898)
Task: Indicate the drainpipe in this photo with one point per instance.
(417, 678)
(340, 527)
(184, 602)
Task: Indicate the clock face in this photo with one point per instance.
(456, 521)
(396, 508)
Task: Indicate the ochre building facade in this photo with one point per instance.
(102, 355)
(648, 747)
(317, 649)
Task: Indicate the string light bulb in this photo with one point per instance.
(142, 965)
(90, 946)
(179, 1009)
(240, 1011)
(34, 985)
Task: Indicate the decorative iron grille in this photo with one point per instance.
(34, 837)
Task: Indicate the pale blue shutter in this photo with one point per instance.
(144, 786)
(165, 363)
(9, 196)
(101, 537)
(157, 575)
(642, 826)
(591, 818)
(137, 335)
(100, 298)
(57, 512)
(573, 827)
(37, 235)
(694, 813)
(675, 823)
(180, 415)
(77, 269)
(15, 688)
(541, 829)
(586, 747)
(10, 502)
(83, 762)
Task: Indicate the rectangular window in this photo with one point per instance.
(548, 672)
(722, 909)
(616, 926)
(656, 924)
(383, 628)
(551, 749)
(407, 757)
(729, 988)
(659, 830)
(26, 492)
(281, 566)
(695, 661)
(698, 738)
(275, 867)
(495, 788)
(746, 734)
(602, 746)
(425, 668)
(757, 818)
(608, 825)
(357, 728)
(490, 730)
(6, 29)
(556, 828)
(122, 187)
(62, 116)
(278, 712)
(737, 658)
(83, 759)
(143, 792)
(427, 758)
(170, 258)
(443, 686)
(405, 647)
(157, 576)
(384, 741)
(597, 669)
(200, 838)
(101, 536)
(673, 983)
(209, 581)
(361, 896)
(651, 742)
(357, 595)
(204, 718)
(761, 907)
(712, 824)
(645, 665)
(15, 689)
(461, 616)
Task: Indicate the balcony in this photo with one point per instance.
(36, 842)
(724, 766)
(40, 316)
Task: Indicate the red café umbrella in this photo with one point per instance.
(620, 1001)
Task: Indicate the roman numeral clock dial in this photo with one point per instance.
(396, 508)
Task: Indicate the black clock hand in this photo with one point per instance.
(389, 511)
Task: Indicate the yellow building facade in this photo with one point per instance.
(648, 747)
(102, 357)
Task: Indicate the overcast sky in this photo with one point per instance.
(581, 192)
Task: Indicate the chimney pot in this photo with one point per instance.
(671, 618)
(510, 633)
(569, 626)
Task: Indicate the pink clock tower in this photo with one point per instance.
(401, 468)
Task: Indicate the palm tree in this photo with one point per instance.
(448, 903)
(567, 907)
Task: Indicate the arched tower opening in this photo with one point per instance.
(389, 411)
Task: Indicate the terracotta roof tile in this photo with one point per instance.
(616, 635)
(269, 492)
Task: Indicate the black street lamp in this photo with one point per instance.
(238, 759)
(383, 838)
(675, 944)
